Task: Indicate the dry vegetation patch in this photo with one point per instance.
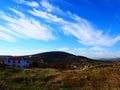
(100, 78)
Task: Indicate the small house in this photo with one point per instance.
(17, 62)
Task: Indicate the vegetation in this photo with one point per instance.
(61, 60)
(58, 60)
(61, 71)
(102, 77)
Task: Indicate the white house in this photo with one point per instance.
(17, 61)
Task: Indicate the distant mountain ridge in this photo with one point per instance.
(3, 57)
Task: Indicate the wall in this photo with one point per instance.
(18, 63)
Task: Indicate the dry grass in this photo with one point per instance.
(95, 78)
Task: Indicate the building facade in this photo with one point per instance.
(17, 61)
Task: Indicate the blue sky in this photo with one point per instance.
(83, 27)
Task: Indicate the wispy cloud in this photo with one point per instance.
(97, 48)
(79, 49)
(88, 50)
(25, 27)
(82, 29)
(32, 3)
(6, 37)
(86, 34)
(49, 7)
(9, 32)
(46, 15)
(78, 27)
(17, 12)
(46, 5)
(63, 49)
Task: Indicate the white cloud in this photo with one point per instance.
(79, 49)
(17, 12)
(87, 50)
(6, 37)
(97, 48)
(46, 15)
(82, 29)
(86, 34)
(63, 49)
(26, 27)
(49, 7)
(31, 4)
(8, 31)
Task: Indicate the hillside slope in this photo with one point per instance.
(60, 60)
(57, 58)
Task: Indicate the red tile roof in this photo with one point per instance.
(16, 58)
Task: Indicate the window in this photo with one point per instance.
(8, 61)
(13, 61)
(18, 61)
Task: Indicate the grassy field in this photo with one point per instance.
(94, 78)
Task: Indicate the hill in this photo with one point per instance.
(57, 59)
(60, 60)
(50, 57)
(3, 57)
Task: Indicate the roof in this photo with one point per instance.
(16, 58)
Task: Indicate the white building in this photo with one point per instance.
(17, 61)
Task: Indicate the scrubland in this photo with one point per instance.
(93, 78)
